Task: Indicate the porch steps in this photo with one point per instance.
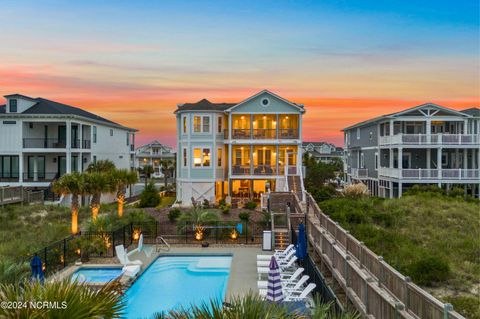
(282, 239)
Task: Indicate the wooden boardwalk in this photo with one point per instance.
(375, 288)
(15, 195)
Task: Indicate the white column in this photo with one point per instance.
(391, 127)
(439, 162)
(391, 158)
(399, 158)
(391, 189)
(68, 157)
(429, 157)
(465, 158)
(79, 162)
(400, 189)
(35, 168)
(20, 167)
(80, 137)
(428, 130)
(457, 158)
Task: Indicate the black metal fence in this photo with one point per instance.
(60, 254)
(322, 290)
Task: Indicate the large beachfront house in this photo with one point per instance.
(323, 152)
(42, 140)
(426, 144)
(153, 154)
(240, 150)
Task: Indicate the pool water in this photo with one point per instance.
(173, 282)
(100, 275)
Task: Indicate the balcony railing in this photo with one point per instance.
(431, 174)
(86, 144)
(358, 172)
(430, 139)
(44, 143)
(40, 176)
(264, 133)
(288, 133)
(240, 170)
(241, 133)
(263, 170)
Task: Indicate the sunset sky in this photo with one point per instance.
(134, 61)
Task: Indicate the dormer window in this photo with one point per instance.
(13, 106)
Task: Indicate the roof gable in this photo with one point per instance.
(204, 105)
(265, 102)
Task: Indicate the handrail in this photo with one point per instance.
(159, 241)
(374, 286)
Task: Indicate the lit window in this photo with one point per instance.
(220, 124)
(184, 124)
(197, 124)
(201, 157)
(219, 157)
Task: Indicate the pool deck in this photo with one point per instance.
(243, 272)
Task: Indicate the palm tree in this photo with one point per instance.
(147, 170)
(101, 166)
(71, 184)
(83, 302)
(96, 184)
(167, 168)
(121, 179)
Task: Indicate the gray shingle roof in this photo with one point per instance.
(474, 111)
(204, 105)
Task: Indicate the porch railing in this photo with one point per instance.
(40, 176)
(241, 133)
(425, 174)
(429, 139)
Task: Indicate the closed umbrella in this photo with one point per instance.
(37, 271)
(274, 292)
(301, 249)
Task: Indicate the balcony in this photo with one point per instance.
(86, 144)
(430, 174)
(263, 170)
(358, 172)
(263, 134)
(40, 176)
(287, 133)
(430, 139)
(54, 143)
(241, 134)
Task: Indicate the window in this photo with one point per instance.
(9, 166)
(184, 125)
(358, 133)
(201, 124)
(94, 159)
(111, 132)
(265, 102)
(219, 157)
(94, 134)
(128, 138)
(201, 157)
(370, 135)
(362, 160)
(220, 124)
(197, 124)
(206, 124)
(9, 122)
(13, 106)
(376, 161)
(184, 157)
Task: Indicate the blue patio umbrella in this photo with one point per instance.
(301, 249)
(274, 291)
(37, 271)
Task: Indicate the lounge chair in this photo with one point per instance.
(146, 250)
(277, 253)
(280, 261)
(287, 291)
(264, 270)
(290, 279)
(300, 296)
(131, 270)
(123, 258)
(295, 286)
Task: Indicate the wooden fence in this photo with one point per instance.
(12, 195)
(375, 288)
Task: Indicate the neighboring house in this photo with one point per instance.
(426, 144)
(152, 154)
(238, 149)
(322, 151)
(41, 140)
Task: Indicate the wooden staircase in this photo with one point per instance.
(295, 185)
(282, 238)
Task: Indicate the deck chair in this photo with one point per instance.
(280, 260)
(300, 296)
(123, 258)
(277, 253)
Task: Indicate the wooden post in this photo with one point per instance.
(406, 297)
(381, 278)
(361, 254)
(347, 233)
(333, 254)
(446, 310)
(347, 259)
(399, 307)
(365, 296)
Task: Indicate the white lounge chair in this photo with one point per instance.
(123, 258)
(146, 250)
(264, 270)
(277, 253)
(294, 286)
(300, 296)
(287, 291)
(131, 270)
(286, 279)
(280, 261)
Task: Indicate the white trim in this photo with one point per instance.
(202, 116)
(302, 110)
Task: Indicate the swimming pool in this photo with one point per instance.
(172, 282)
(97, 274)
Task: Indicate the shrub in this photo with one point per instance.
(150, 196)
(226, 209)
(421, 189)
(222, 203)
(244, 216)
(429, 270)
(322, 193)
(355, 191)
(470, 306)
(251, 205)
(206, 204)
(173, 214)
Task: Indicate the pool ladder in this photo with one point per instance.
(159, 243)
